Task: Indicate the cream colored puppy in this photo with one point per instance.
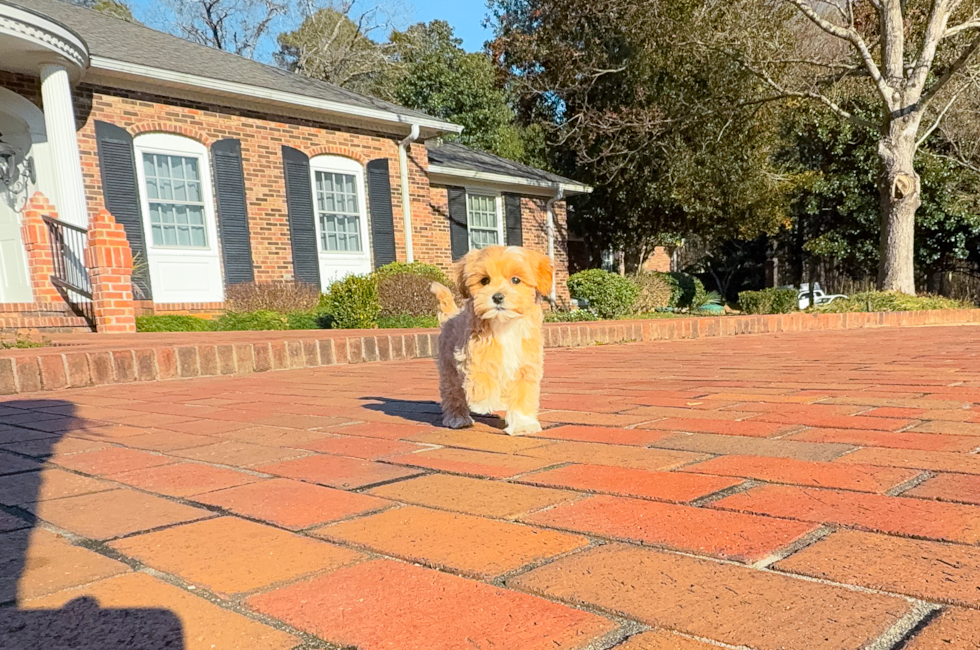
(491, 354)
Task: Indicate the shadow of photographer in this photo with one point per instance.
(82, 623)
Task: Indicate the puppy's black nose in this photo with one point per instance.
(498, 298)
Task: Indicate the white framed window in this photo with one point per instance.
(483, 220)
(175, 200)
(338, 210)
(338, 196)
(340, 217)
(179, 223)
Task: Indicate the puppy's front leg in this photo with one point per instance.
(455, 410)
(523, 397)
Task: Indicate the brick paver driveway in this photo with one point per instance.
(805, 491)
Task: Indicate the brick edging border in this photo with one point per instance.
(57, 368)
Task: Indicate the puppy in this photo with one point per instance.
(491, 355)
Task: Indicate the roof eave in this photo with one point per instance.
(537, 186)
(116, 68)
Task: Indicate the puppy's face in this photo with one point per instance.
(504, 282)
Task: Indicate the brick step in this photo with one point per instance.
(78, 360)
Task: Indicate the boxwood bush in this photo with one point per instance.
(769, 301)
(353, 302)
(609, 295)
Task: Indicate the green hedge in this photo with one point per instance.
(173, 323)
(609, 295)
(769, 301)
(890, 301)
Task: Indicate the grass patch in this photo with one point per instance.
(19, 342)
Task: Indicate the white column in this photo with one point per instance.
(59, 122)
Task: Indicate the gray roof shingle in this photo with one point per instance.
(112, 38)
(457, 156)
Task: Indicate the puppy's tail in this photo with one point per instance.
(447, 304)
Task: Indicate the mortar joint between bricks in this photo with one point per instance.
(913, 482)
(727, 492)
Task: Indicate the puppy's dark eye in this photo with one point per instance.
(515, 280)
(485, 281)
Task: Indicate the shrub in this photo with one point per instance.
(707, 301)
(405, 321)
(428, 271)
(281, 296)
(569, 316)
(261, 319)
(353, 302)
(688, 290)
(306, 320)
(609, 295)
(656, 291)
(173, 323)
(406, 293)
(769, 301)
(891, 301)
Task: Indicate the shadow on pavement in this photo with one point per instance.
(82, 624)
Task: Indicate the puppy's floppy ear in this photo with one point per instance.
(543, 272)
(462, 274)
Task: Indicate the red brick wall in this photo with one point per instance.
(262, 137)
(534, 219)
(659, 260)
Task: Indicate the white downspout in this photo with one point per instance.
(551, 232)
(406, 194)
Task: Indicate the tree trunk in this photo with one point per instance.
(900, 198)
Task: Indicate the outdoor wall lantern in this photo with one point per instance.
(9, 172)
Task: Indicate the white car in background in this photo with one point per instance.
(819, 297)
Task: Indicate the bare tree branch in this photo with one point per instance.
(854, 38)
(955, 67)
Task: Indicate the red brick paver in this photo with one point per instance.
(813, 491)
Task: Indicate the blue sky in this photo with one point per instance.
(466, 16)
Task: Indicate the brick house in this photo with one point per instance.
(221, 170)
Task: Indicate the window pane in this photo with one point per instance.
(176, 200)
(195, 215)
(198, 238)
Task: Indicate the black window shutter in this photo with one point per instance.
(299, 206)
(382, 217)
(512, 216)
(459, 236)
(229, 188)
(120, 192)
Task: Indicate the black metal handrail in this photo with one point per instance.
(68, 242)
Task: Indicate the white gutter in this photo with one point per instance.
(113, 67)
(551, 231)
(406, 193)
(505, 179)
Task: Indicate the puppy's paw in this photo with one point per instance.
(520, 425)
(457, 421)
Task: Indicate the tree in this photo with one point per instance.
(436, 75)
(911, 57)
(632, 104)
(238, 26)
(835, 207)
(114, 8)
(335, 45)
(424, 68)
